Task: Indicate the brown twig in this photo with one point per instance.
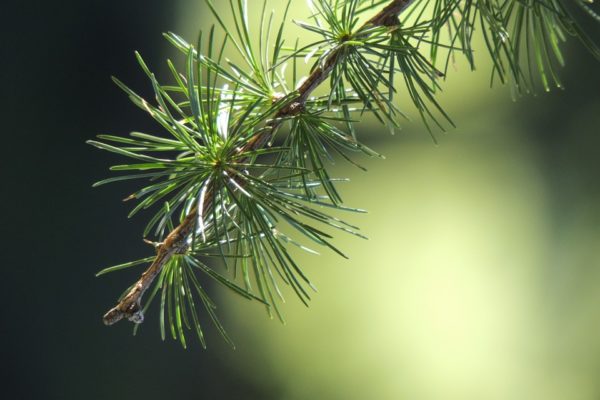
(129, 307)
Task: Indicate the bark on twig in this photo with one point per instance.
(129, 307)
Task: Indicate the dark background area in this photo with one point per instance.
(57, 231)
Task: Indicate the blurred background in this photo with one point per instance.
(480, 280)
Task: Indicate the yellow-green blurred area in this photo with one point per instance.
(481, 276)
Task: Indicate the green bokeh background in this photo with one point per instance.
(480, 279)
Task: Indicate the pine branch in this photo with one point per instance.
(178, 240)
(235, 195)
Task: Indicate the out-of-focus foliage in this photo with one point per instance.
(477, 281)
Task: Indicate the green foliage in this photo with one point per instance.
(252, 197)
